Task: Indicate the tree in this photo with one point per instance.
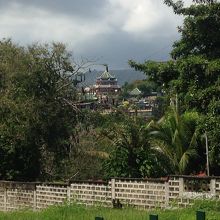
(193, 72)
(145, 86)
(200, 31)
(132, 154)
(160, 73)
(177, 138)
(38, 115)
(199, 51)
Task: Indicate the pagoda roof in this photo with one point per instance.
(106, 75)
(135, 92)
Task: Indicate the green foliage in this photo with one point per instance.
(44, 136)
(200, 31)
(132, 154)
(159, 73)
(145, 86)
(193, 74)
(176, 137)
(36, 116)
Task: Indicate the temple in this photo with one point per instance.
(106, 84)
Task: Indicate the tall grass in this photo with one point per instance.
(78, 212)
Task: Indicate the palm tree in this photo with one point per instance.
(132, 154)
(175, 136)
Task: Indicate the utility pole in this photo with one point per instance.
(207, 153)
(176, 103)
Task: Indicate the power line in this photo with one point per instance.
(158, 51)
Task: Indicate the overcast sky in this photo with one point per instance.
(111, 31)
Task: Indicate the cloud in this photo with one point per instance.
(138, 16)
(142, 17)
(87, 9)
(116, 50)
(112, 29)
(27, 23)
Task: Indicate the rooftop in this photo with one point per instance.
(106, 75)
(135, 92)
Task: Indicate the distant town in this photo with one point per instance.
(106, 96)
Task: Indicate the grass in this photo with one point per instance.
(77, 212)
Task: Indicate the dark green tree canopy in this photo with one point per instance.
(37, 112)
(193, 73)
(200, 31)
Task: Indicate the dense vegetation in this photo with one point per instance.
(40, 125)
(44, 136)
(191, 79)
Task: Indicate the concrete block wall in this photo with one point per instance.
(14, 196)
(50, 194)
(191, 188)
(91, 193)
(178, 191)
(217, 188)
(2, 198)
(144, 194)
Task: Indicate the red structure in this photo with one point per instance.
(106, 85)
(106, 89)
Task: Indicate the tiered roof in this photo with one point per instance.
(106, 75)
